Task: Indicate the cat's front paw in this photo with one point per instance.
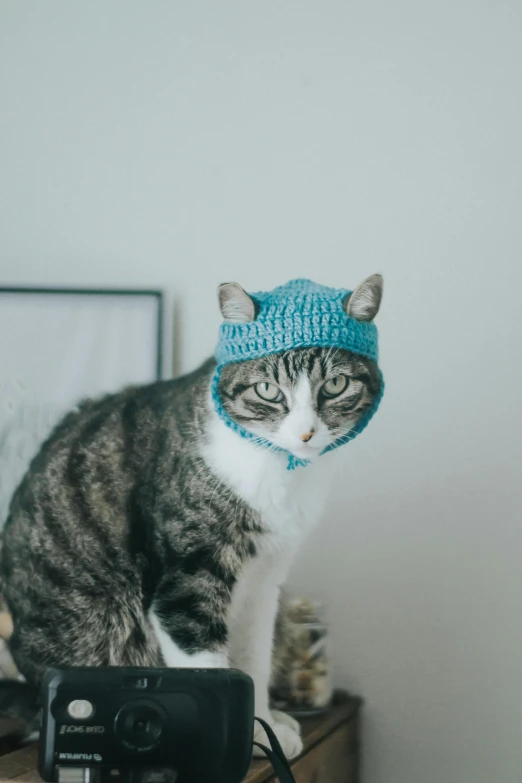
(286, 720)
(289, 738)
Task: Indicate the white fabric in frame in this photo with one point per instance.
(58, 347)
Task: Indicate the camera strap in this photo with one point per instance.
(275, 755)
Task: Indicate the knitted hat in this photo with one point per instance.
(300, 314)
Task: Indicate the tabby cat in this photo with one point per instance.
(150, 530)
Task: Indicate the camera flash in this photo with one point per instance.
(81, 709)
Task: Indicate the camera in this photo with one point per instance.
(146, 725)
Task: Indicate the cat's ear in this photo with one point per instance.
(235, 304)
(364, 302)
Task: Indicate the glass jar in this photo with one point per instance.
(302, 682)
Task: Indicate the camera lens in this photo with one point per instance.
(139, 725)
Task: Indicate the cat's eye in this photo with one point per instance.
(268, 391)
(333, 387)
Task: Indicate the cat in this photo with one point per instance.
(22, 433)
(155, 526)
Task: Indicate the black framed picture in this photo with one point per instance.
(58, 346)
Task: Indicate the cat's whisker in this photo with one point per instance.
(202, 467)
(363, 445)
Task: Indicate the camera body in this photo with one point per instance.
(146, 725)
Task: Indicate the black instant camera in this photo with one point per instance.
(146, 725)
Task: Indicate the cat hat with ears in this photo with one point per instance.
(299, 314)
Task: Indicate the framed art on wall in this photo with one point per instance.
(59, 346)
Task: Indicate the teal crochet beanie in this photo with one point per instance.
(299, 314)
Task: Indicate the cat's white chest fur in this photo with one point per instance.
(289, 502)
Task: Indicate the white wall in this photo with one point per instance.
(182, 144)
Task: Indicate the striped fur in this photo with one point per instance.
(125, 516)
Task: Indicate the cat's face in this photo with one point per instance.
(300, 400)
(304, 399)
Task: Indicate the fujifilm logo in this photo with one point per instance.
(80, 756)
(82, 729)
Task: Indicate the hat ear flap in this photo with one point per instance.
(236, 306)
(364, 302)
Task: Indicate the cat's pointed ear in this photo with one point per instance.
(364, 302)
(235, 304)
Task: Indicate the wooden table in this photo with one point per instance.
(331, 751)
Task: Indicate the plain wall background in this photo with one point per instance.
(182, 144)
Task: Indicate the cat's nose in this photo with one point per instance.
(308, 435)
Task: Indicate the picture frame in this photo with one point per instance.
(62, 344)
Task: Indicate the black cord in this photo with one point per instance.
(276, 755)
